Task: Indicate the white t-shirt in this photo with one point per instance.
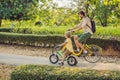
(84, 24)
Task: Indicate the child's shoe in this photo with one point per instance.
(61, 63)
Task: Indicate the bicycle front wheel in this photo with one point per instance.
(53, 58)
(94, 53)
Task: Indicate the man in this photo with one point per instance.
(87, 32)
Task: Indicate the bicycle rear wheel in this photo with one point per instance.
(71, 60)
(94, 53)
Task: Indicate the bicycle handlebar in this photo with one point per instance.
(70, 30)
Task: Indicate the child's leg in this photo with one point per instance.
(66, 53)
(63, 59)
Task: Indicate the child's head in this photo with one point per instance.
(68, 34)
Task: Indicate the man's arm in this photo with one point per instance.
(76, 27)
(79, 28)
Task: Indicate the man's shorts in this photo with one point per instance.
(83, 37)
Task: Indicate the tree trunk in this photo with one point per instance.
(105, 18)
(102, 23)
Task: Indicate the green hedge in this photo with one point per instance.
(50, 40)
(30, 39)
(38, 72)
(6, 29)
(103, 32)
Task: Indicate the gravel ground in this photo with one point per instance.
(25, 50)
(5, 71)
(45, 52)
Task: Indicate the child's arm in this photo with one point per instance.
(63, 44)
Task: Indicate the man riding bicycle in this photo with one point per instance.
(87, 32)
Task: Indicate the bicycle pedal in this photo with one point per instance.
(92, 55)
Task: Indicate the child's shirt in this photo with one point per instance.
(69, 45)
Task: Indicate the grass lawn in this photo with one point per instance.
(29, 28)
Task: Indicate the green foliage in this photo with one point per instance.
(5, 29)
(40, 72)
(102, 10)
(17, 9)
(58, 17)
(104, 32)
(30, 39)
(30, 28)
(105, 43)
(49, 14)
(51, 40)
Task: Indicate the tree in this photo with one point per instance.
(101, 9)
(17, 9)
(105, 9)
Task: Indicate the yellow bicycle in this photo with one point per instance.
(94, 54)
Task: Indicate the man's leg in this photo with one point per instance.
(78, 44)
(75, 40)
(82, 38)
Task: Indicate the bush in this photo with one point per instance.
(51, 40)
(5, 29)
(38, 72)
(30, 39)
(22, 30)
(103, 32)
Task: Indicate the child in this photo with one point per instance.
(68, 45)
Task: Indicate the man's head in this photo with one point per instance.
(81, 14)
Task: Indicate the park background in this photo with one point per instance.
(42, 23)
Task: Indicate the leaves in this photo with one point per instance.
(16, 9)
(43, 72)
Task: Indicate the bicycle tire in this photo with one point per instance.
(96, 54)
(71, 60)
(52, 57)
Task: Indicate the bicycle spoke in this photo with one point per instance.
(94, 54)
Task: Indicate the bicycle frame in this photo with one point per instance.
(75, 54)
(91, 52)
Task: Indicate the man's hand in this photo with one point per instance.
(73, 31)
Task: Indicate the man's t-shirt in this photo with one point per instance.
(69, 44)
(84, 24)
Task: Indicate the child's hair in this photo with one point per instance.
(68, 34)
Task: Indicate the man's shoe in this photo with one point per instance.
(85, 53)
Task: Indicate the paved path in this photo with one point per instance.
(20, 59)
